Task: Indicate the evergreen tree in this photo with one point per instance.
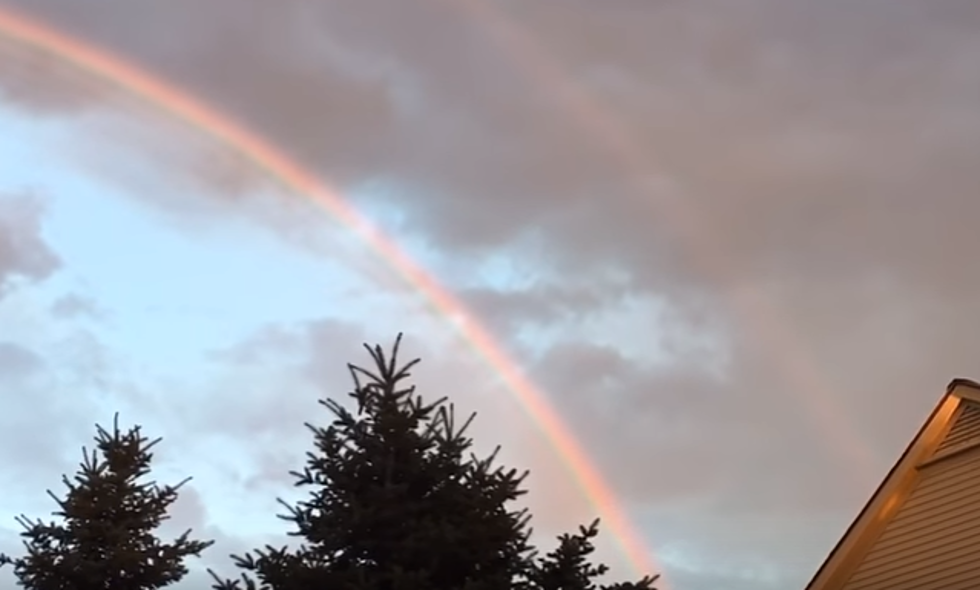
(106, 539)
(568, 566)
(397, 502)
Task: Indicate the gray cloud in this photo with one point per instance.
(73, 305)
(812, 211)
(17, 362)
(35, 82)
(23, 251)
(42, 427)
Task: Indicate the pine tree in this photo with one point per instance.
(106, 539)
(398, 502)
(568, 566)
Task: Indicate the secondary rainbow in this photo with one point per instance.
(277, 164)
(702, 240)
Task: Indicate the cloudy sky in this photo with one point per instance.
(732, 240)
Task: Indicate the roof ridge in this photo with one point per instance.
(961, 381)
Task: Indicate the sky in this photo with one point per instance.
(732, 241)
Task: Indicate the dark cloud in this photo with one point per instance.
(758, 117)
(300, 72)
(540, 303)
(794, 177)
(36, 82)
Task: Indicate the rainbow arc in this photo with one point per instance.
(278, 165)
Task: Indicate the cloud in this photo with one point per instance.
(17, 362)
(73, 305)
(811, 209)
(542, 303)
(311, 358)
(34, 82)
(23, 252)
(764, 157)
(757, 153)
(39, 415)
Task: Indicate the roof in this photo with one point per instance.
(878, 507)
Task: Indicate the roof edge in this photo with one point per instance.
(962, 382)
(866, 509)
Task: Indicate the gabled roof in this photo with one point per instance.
(887, 499)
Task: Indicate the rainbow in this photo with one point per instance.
(705, 243)
(277, 164)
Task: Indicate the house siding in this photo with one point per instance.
(932, 541)
(966, 428)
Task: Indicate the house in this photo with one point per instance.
(921, 528)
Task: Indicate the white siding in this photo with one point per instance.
(966, 428)
(933, 541)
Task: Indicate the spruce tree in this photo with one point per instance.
(398, 502)
(106, 538)
(568, 567)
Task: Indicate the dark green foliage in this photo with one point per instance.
(568, 566)
(397, 502)
(106, 538)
